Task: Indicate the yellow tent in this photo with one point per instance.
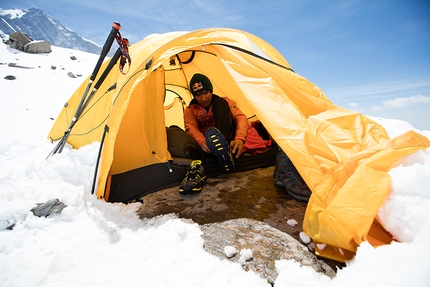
(342, 155)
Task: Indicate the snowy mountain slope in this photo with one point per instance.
(40, 26)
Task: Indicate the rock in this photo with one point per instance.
(71, 75)
(10, 77)
(37, 47)
(17, 40)
(15, 65)
(230, 251)
(261, 246)
(25, 43)
(10, 227)
(45, 209)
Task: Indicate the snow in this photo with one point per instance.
(94, 243)
(245, 255)
(230, 251)
(292, 222)
(406, 222)
(304, 237)
(14, 13)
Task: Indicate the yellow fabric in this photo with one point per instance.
(343, 206)
(351, 193)
(342, 155)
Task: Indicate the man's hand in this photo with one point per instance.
(205, 147)
(236, 147)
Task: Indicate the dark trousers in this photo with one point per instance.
(223, 122)
(223, 118)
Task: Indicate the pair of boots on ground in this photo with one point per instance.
(220, 147)
(285, 174)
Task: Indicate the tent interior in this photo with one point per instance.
(175, 72)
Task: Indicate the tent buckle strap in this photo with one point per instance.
(148, 64)
(168, 166)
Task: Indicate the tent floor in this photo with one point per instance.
(246, 194)
(133, 184)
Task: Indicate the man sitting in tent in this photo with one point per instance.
(217, 125)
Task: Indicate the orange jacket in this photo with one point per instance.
(197, 120)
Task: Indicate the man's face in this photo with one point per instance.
(204, 97)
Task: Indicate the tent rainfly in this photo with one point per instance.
(343, 156)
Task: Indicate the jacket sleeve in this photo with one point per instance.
(192, 126)
(240, 120)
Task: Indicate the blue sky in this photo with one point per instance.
(371, 56)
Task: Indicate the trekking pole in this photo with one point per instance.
(106, 47)
(109, 67)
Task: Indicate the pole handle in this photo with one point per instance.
(109, 67)
(106, 47)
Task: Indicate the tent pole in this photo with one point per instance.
(106, 130)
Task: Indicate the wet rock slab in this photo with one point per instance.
(266, 244)
(251, 194)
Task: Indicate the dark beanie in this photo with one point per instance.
(200, 82)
